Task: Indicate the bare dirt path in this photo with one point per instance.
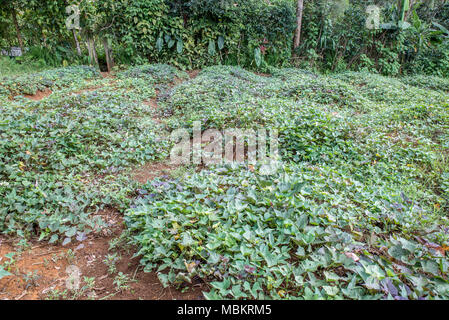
(39, 95)
(40, 271)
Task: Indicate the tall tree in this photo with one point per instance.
(77, 43)
(10, 7)
(299, 12)
(16, 25)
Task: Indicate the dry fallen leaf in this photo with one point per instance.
(190, 266)
(352, 256)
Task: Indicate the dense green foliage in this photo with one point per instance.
(358, 209)
(10, 67)
(202, 32)
(52, 79)
(153, 73)
(59, 157)
(412, 37)
(358, 205)
(336, 37)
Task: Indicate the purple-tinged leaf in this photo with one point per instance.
(81, 236)
(67, 241)
(389, 287)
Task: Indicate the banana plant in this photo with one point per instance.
(421, 31)
(442, 31)
(399, 17)
(424, 35)
(404, 5)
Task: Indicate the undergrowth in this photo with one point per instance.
(357, 208)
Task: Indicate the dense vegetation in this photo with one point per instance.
(357, 208)
(358, 205)
(412, 35)
(58, 156)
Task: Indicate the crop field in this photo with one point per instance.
(357, 207)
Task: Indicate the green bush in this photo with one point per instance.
(13, 67)
(154, 73)
(50, 79)
(197, 33)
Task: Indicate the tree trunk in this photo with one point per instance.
(94, 51)
(89, 50)
(78, 48)
(16, 24)
(107, 51)
(299, 12)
